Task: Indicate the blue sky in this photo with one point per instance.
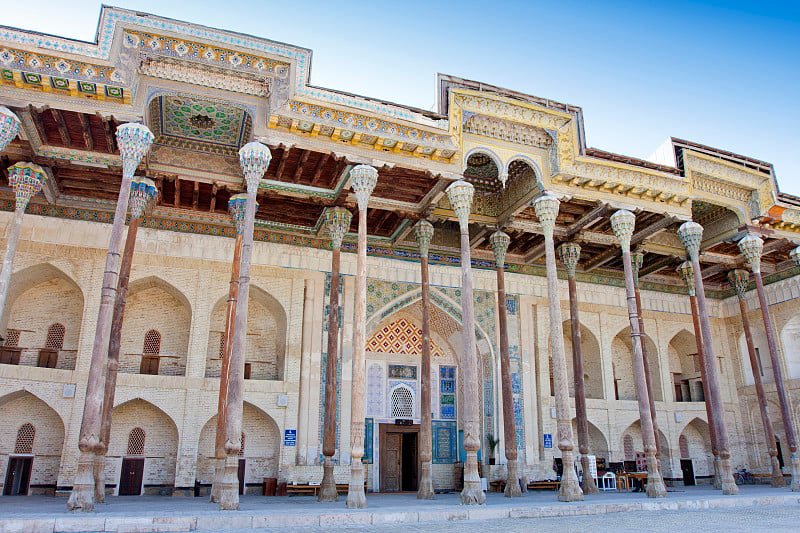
(726, 74)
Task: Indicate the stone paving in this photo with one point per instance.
(153, 513)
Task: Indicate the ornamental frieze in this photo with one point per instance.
(722, 170)
(507, 111)
(703, 182)
(166, 69)
(513, 132)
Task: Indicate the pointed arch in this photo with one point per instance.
(622, 360)
(266, 341)
(790, 338)
(684, 367)
(592, 361)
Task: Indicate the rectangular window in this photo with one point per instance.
(9, 356)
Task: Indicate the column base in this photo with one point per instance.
(570, 489)
(729, 487)
(795, 473)
(524, 482)
(777, 480)
(717, 481)
(82, 496)
(472, 493)
(229, 488)
(327, 490)
(425, 490)
(98, 471)
(219, 473)
(512, 489)
(356, 498)
(589, 485)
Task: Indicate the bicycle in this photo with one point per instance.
(743, 477)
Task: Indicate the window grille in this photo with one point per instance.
(402, 402)
(221, 345)
(55, 337)
(25, 436)
(683, 444)
(12, 337)
(136, 442)
(241, 450)
(152, 342)
(627, 443)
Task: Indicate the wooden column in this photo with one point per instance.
(363, 179)
(570, 253)
(133, 140)
(623, 223)
(500, 242)
(691, 234)
(637, 259)
(143, 193)
(687, 273)
(460, 195)
(254, 158)
(739, 280)
(237, 207)
(337, 222)
(423, 231)
(752, 247)
(547, 210)
(26, 179)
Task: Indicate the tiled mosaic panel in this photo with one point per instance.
(400, 337)
(369, 429)
(447, 388)
(444, 442)
(375, 390)
(380, 293)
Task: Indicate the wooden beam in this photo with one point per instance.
(110, 141)
(213, 204)
(638, 237)
(177, 200)
(318, 172)
(659, 264)
(62, 127)
(534, 254)
(196, 195)
(738, 261)
(479, 237)
(590, 217)
(37, 122)
(282, 163)
(87, 132)
(300, 164)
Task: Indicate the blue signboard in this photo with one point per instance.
(548, 440)
(290, 437)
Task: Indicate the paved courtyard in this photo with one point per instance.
(689, 509)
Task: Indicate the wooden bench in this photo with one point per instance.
(544, 485)
(311, 490)
(497, 486)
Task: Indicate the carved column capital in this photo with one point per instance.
(570, 253)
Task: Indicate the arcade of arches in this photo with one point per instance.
(511, 147)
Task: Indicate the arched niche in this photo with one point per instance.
(622, 358)
(39, 297)
(21, 408)
(261, 450)
(790, 338)
(634, 433)
(160, 442)
(763, 360)
(698, 442)
(684, 367)
(592, 363)
(266, 337)
(598, 444)
(155, 305)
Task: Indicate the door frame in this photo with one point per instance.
(383, 429)
(141, 460)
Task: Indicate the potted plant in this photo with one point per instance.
(491, 446)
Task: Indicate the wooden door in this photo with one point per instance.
(130, 479)
(391, 472)
(18, 476)
(149, 365)
(241, 475)
(688, 472)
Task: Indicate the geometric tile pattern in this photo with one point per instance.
(182, 118)
(400, 337)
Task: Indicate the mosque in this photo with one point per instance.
(424, 293)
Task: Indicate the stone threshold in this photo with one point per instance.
(307, 517)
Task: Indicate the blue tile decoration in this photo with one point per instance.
(516, 383)
(369, 428)
(444, 442)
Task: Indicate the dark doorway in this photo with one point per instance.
(409, 463)
(780, 452)
(241, 475)
(130, 479)
(399, 457)
(688, 472)
(18, 476)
